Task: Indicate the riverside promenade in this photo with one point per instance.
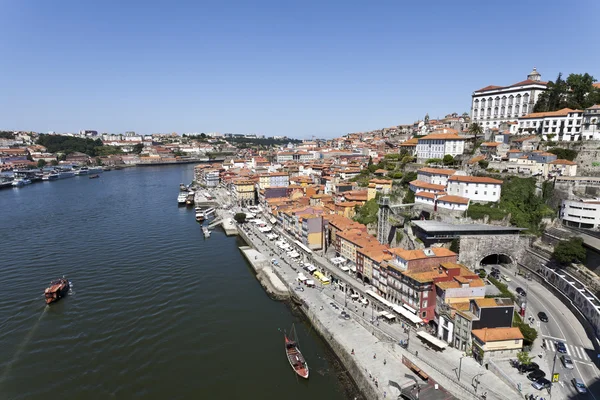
(461, 376)
(371, 357)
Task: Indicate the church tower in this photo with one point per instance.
(534, 75)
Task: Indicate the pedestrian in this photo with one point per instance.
(384, 361)
(352, 352)
(384, 394)
(374, 356)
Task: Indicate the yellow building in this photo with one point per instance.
(496, 342)
(243, 191)
(378, 186)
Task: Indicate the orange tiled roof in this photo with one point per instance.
(475, 179)
(419, 254)
(490, 144)
(442, 136)
(437, 171)
(562, 162)
(454, 199)
(427, 195)
(497, 334)
(425, 185)
(559, 113)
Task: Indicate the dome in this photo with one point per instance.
(534, 75)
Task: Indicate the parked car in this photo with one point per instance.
(536, 375)
(579, 385)
(566, 361)
(520, 291)
(542, 316)
(505, 277)
(541, 384)
(560, 347)
(495, 270)
(528, 367)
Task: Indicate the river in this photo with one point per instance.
(156, 310)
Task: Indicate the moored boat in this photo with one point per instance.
(200, 216)
(294, 356)
(205, 231)
(95, 170)
(57, 290)
(19, 182)
(94, 176)
(82, 171)
(189, 200)
(181, 198)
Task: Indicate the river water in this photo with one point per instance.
(156, 311)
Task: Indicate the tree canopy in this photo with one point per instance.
(367, 214)
(576, 92)
(68, 144)
(476, 130)
(569, 251)
(240, 218)
(563, 154)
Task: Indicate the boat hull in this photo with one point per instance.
(296, 359)
(57, 291)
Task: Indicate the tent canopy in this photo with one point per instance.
(432, 340)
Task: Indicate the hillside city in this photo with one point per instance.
(402, 209)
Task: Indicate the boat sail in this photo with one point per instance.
(294, 356)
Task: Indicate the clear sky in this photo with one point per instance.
(296, 68)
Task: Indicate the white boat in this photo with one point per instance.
(21, 182)
(181, 198)
(205, 231)
(51, 176)
(95, 170)
(66, 174)
(82, 171)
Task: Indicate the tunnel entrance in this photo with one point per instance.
(496, 259)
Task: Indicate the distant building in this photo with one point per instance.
(475, 188)
(581, 214)
(492, 105)
(591, 123)
(562, 125)
(439, 144)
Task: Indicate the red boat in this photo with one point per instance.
(295, 357)
(57, 290)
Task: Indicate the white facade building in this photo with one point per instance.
(437, 176)
(438, 144)
(591, 123)
(492, 105)
(581, 214)
(211, 178)
(562, 125)
(475, 188)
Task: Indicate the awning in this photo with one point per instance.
(379, 298)
(407, 314)
(273, 221)
(432, 339)
(409, 308)
(310, 282)
(301, 277)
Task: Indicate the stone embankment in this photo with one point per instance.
(265, 275)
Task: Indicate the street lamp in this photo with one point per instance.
(552, 375)
(460, 367)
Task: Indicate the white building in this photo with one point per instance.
(211, 178)
(438, 144)
(562, 125)
(437, 176)
(493, 105)
(591, 123)
(475, 188)
(581, 214)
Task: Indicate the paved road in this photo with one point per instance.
(562, 325)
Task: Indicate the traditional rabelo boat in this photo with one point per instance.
(57, 290)
(294, 356)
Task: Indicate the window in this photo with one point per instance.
(494, 193)
(485, 193)
(466, 191)
(424, 304)
(476, 192)
(424, 314)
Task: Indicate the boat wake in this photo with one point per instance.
(21, 347)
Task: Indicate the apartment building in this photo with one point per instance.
(475, 188)
(377, 185)
(273, 179)
(438, 144)
(436, 176)
(243, 191)
(563, 125)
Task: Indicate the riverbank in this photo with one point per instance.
(265, 275)
(367, 355)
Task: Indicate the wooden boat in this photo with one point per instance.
(294, 356)
(57, 290)
(94, 176)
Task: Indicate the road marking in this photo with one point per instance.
(567, 348)
(554, 338)
(586, 363)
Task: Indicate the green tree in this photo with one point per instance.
(240, 218)
(554, 98)
(434, 161)
(54, 162)
(41, 163)
(524, 358)
(569, 251)
(137, 149)
(580, 86)
(409, 197)
(448, 159)
(476, 130)
(564, 154)
(408, 177)
(483, 164)
(367, 214)
(455, 245)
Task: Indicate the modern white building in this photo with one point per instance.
(581, 214)
(562, 125)
(442, 200)
(591, 123)
(211, 178)
(475, 188)
(440, 143)
(492, 105)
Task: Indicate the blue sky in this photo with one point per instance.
(306, 68)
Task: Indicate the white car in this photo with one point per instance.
(506, 278)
